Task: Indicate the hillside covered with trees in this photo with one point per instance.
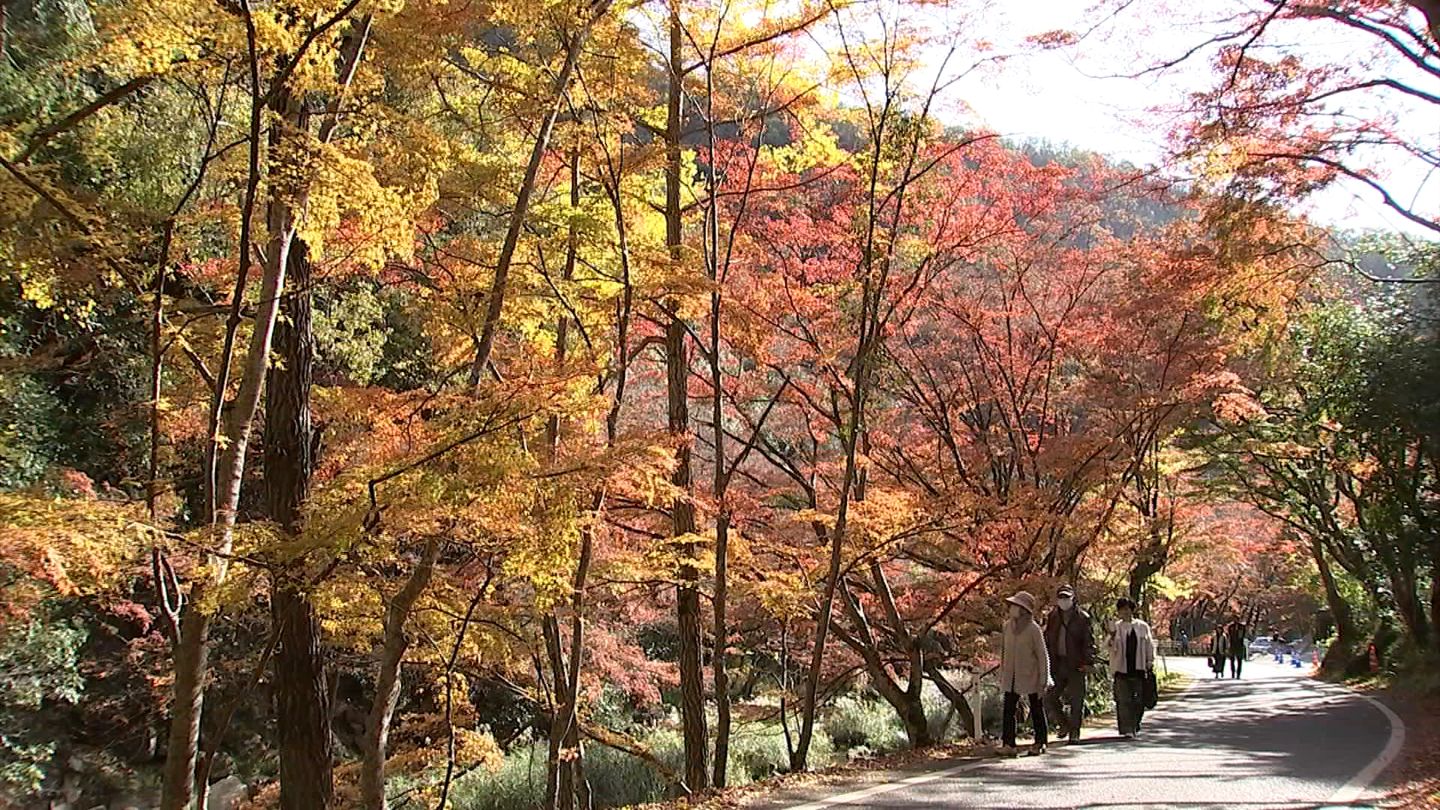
(432, 403)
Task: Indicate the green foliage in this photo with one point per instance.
(616, 779)
(865, 721)
(38, 667)
(77, 401)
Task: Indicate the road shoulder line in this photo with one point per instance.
(1357, 787)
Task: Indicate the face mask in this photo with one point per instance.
(1016, 612)
(1065, 602)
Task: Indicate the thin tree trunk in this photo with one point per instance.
(4, 30)
(722, 635)
(496, 301)
(302, 700)
(1435, 593)
(387, 689)
(556, 793)
(799, 760)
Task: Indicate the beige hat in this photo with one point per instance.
(1024, 600)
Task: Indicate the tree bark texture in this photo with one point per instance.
(677, 367)
(302, 700)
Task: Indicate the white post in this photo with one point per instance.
(977, 702)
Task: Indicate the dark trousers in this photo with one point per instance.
(1129, 701)
(1236, 659)
(1065, 701)
(1037, 717)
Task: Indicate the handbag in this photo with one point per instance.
(1152, 690)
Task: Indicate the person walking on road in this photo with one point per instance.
(1219, 651)
(1235, 640)
(1132, 655)
(1024, 670)
(1071, 644)
(1184, 643)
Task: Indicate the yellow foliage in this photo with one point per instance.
(68, 546)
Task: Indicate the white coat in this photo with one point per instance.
(1144, 648)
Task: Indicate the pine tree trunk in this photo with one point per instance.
(302, 700)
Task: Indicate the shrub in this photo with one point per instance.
(518, 783)
(758, 751)
(857, 721)
(616, 778)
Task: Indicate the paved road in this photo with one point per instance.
(1273, 739)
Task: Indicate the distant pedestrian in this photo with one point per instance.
(1219, 651)
(1235, 640)
(1024, 670)
(1184, 643)
(1070, 641)
(1132, 655)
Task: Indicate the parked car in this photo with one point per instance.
(1261, 645)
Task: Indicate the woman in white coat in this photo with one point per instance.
(1024, 670)
(1132, 656)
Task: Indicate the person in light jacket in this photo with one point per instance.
(1132, 655)
(1219, 651)
(1024, 670)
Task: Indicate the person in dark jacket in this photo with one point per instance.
(1235, 636)
(1071, 643)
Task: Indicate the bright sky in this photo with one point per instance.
(1060, 95)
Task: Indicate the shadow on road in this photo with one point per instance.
(1273, 739)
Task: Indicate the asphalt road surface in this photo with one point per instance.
(1275, 738)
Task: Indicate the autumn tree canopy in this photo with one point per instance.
(418, 403)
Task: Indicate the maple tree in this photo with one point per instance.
(1283, 119)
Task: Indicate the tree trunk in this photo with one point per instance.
(387, 689)
(955, 696)
(907, 703)
(191, 655)
(722, 633)
(223, 476)
(302, 710)
(191, 663)
(1435, 593)
(677, 369)
(1408, 605)
(1346, 634)
(687, 589)
(559, 792)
